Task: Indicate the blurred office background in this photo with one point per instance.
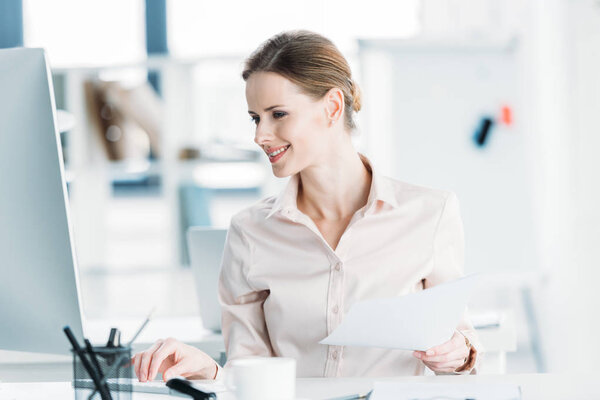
(494, 100)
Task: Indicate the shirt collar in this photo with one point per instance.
(381, 190)
(288, 196)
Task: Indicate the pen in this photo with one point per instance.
(122, 358)
(111, 337)
(141, 328)
(104, 393)
(92, 354)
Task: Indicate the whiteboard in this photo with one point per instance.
(433, 97)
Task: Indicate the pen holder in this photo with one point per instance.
(114, 362)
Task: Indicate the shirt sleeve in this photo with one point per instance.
(448, 264)
(243, 320)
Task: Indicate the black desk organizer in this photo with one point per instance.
(115, 364)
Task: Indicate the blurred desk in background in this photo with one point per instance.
(31, 367)
(497, 341)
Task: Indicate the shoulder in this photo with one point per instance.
(405, 193)
(254, 214)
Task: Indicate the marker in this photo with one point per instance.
(111, 337)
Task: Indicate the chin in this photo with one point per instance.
(282, 172)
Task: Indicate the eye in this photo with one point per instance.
(279, 114)
(255, 119)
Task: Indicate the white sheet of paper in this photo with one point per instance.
(417, 321)
(416, 391)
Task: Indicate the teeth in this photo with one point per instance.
(273, 154)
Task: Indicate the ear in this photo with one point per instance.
(334, 105)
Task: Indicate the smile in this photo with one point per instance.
(277, 154)
(281, 150)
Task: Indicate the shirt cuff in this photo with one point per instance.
(470, 366)
(219, 374)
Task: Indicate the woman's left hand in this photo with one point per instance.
(446, 357)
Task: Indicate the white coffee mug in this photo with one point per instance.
(262, 378)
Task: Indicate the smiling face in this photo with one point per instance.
(291, 127)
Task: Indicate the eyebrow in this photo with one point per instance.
(266, 109)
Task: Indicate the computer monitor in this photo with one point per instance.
(206, 247)
(38, 275)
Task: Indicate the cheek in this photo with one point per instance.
(306, 137)
(309, 130)
(294, 132)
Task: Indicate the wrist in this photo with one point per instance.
(209, 372)
(468, 362)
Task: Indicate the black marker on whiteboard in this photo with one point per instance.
(483, 131)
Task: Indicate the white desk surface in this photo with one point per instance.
(533, 386)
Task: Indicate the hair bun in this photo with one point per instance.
(356, 96)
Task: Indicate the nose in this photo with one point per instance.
(263, 134)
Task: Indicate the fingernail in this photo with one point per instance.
(429, 352)
(143, 377)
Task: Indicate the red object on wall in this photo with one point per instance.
(506, 115)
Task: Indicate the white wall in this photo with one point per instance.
(559, 91)
(572, 299)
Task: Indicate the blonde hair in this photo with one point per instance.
(312, 62)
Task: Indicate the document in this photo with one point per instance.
(416, 391)
(417, 321)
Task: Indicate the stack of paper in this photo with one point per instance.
(446, 391)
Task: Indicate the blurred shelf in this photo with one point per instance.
(450, 44)
(155, 63)
(204, 173)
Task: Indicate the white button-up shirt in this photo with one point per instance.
(283, 288)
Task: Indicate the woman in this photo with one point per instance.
(339, 233)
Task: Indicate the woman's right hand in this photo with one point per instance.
(173, 358)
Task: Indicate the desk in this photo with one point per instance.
(534, 386)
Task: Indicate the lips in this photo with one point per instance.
(277, 153)
(272, 150)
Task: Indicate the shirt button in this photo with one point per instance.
(335, 309)
(334, 355)
(338, 266)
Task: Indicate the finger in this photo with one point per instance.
(459, 353)
(444, 366)
(146, 359)
(136, 364)
(168, 347)
(446, 347)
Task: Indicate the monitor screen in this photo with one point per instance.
(38, 275)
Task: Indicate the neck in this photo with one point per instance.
(336, 189)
